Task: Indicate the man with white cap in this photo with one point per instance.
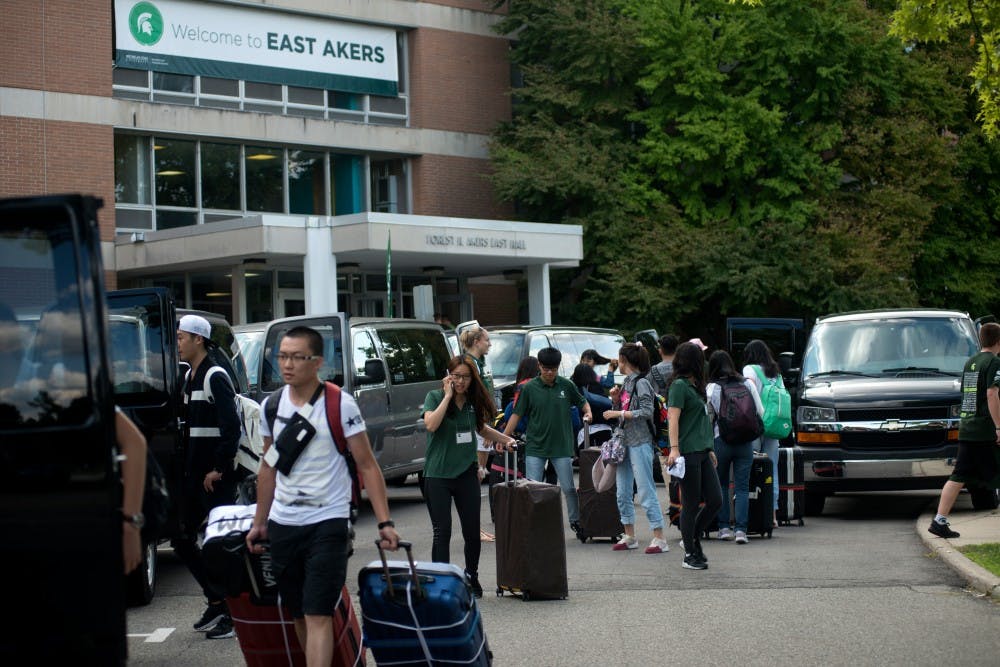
(212, 435)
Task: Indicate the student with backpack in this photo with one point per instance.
(632, 405)
(454, 416)
(735, 404)
(212, 432)
(315, 449)
(761, 369)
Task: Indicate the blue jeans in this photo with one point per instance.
(740, 456)
(770, 447)
(638, 465)
(534, 469)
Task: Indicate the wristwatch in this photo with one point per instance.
(137, 520)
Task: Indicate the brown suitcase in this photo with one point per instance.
(599, 516)
(530, 539)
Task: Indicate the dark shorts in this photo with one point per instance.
(310, 563)
(976, 462)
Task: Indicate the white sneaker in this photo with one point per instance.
(625, 544)
(657, 546)
(741, 537)
(725, 533)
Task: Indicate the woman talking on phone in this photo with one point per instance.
(454, 415)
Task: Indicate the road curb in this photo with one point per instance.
(978, 578)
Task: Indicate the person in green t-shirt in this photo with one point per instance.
(690, 433)
(454, 415)
(979, 429)
(546, 401)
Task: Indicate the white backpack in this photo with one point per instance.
(251, 447)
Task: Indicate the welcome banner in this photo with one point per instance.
(232, 42)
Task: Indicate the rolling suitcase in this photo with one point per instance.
(791, 488)
(760, 519)
(420, 614)
(267, 636)
(530, 539)
(599, 516)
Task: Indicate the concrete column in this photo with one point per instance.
(238, 289)
(539, 298)
(320, 268)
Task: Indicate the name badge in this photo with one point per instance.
(464, 438)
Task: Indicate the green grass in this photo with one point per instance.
(984, 555)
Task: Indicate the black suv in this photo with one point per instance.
(878, 402)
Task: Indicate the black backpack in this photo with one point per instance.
(737, 415)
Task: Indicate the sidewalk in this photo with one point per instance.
(976, 527)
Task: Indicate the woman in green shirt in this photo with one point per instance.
(454, 415)
(690, 432)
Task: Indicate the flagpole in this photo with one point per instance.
(388, 271)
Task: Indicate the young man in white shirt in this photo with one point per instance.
(306, 513)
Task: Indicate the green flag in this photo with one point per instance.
(388, 271)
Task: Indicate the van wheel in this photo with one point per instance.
(814, 503)
(140, 586)
(985, 499)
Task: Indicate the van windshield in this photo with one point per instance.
(43, 366)
(924, 345)
(504, 355)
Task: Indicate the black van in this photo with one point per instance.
(148, 377)
(878, 401)
(60, 494)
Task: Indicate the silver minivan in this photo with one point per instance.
(388, 365)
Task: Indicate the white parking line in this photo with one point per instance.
(157, 636)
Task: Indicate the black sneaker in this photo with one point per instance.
(692, 562)
(222, 630)
(574, 526)
(942, 529)
(477, 588)
(213, 614)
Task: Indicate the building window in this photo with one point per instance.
(220, 176)
(132, 170)
(163, 183)
(306, 183)
(264, 179)
(175, 172)
(389, 191)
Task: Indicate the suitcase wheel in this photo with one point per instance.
(526, 596)
(802, 522)
(499, 592)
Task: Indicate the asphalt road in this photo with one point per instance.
(853, 587)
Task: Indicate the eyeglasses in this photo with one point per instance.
(461, 377)
(295, 358)
(548, 369)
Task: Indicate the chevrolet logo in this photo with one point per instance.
(892, 425)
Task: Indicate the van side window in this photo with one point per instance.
(43, 377)
(363, 350)
(414, 355)
(136, 344)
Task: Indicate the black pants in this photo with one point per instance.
(195, 506)
(465, 490)
(699, 484)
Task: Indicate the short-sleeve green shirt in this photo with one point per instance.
(446, 457)
(695, 429)
(981, 372)
(550, 427)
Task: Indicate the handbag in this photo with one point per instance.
(613, 451)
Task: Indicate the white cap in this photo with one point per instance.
(197, 325)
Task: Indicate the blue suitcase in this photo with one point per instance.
(420, 614)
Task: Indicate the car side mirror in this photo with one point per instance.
(374, 373)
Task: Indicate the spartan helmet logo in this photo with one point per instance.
(145, 23)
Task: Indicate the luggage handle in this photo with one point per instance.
(518, 443)
(390, 590)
